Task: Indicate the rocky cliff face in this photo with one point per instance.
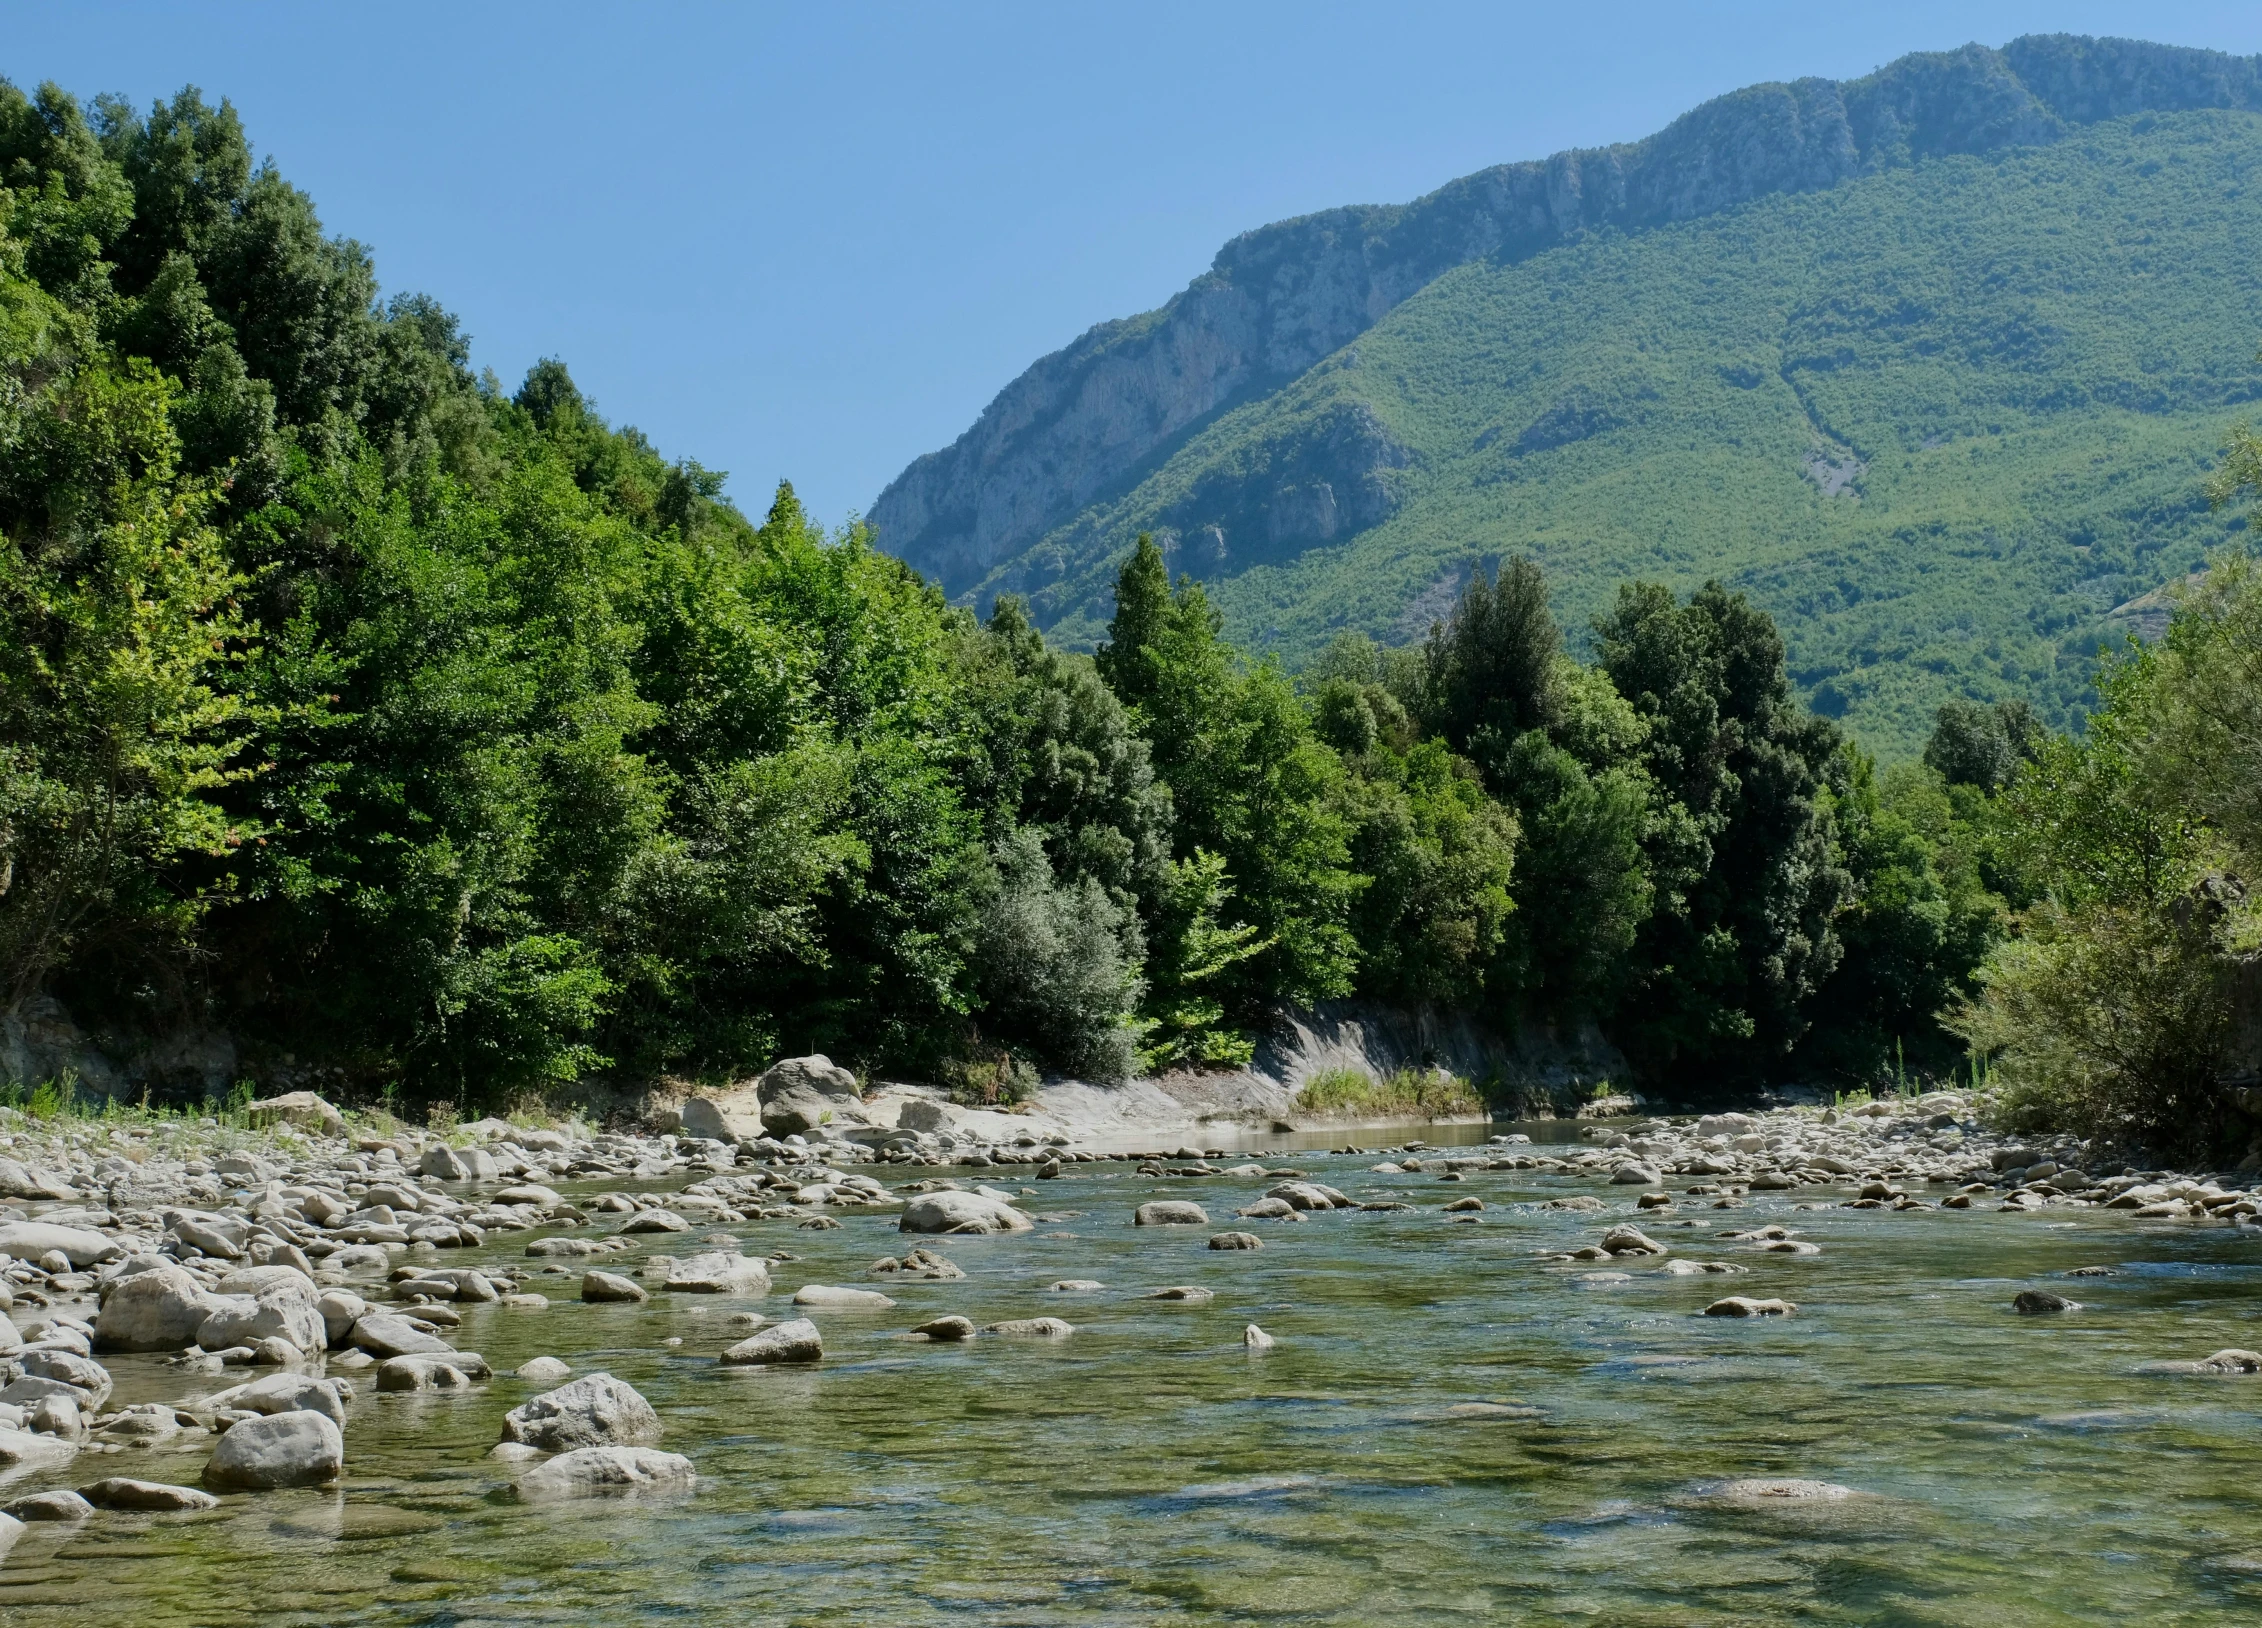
(1082, 423)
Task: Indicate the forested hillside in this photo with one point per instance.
(421, 734)
(1930, 364)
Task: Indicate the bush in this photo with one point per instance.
(1346, 1093)
(1059, 964)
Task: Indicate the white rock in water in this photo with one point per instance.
(1256, 1339)
(340, 1309)
(595, 1410)
(824, 1294)
(285, 1393)
(157, 1310)
(1636, 1175)
(296, 1449)
(608, 1288)
(384, 1334)
(543, 1370)
(723, 1272)
(158, 1497)
(1031, 1328)
(425, 1371)
(458, 1164)
(961, 1212)
(22, 1453)
(796, 1341)
(284, 1311)
(598, 1471)
(1170, 1212)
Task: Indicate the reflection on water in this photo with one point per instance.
(1449, 1430)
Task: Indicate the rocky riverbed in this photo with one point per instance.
(437, 1361)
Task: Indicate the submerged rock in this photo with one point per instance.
(60, 1505)
(1236, 1240)
(598, 1471)
(158, 1497)
(1031, 1328)
(2042, 1303)
(962, 1212)
(826, 1294)
(1737, 1305)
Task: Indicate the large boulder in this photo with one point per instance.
(802, 1093)
(609, 1288)
(28, 1240)
(283, 1310)
(732, 1117)
(457, 1164)
(723, 1272)
(595, 1410)
(304, 1109)
(589, 1472)
(294, 1449)
(340, 1309)
(22, 1181)
(157, 1310)
(961, 1212)
(923, 1114)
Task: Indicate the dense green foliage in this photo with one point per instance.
(2128, 1003)
(1937, 421)
(417, 732)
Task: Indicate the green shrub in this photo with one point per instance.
(1348, 1093)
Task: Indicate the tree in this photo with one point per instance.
(1741, 842)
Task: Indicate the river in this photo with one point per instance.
(1449, 1430)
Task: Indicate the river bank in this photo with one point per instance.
(429, 1295)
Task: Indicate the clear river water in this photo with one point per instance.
(1449, 1430)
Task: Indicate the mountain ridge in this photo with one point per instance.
(1086, 423)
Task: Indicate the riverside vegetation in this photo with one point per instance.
(433, 738)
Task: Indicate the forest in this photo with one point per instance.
(432, 736)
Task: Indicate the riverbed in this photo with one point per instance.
(1450, 1428)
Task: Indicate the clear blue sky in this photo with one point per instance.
(813, 240)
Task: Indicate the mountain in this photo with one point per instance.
(1932, 363)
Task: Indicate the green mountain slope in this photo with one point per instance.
(1939, 419)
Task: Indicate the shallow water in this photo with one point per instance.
(1450, 1430)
